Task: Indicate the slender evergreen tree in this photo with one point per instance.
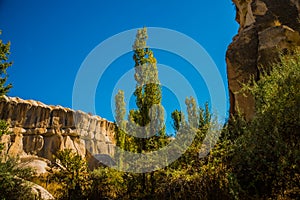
(4, 64)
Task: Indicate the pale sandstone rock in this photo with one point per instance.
(32, 144)
(261, 8)
(6, 141)
(40, 192)
(41, 130)
(80, 146)
(16, 147)
(40, 165)
(68, 143)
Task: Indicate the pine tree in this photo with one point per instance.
(4, 64)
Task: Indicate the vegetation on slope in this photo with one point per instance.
(257, 159)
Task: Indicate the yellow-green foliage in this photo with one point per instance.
(12, 180)
(266, 157)
(108, 184)
(73, 175)
(257, 159)
(55, 188)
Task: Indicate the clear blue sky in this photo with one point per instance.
(51, 39)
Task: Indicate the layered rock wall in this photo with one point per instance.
(266, 28)
(41, 130)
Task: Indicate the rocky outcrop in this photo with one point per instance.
(41, 130)
(266, 28)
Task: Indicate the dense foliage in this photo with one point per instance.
(72, 174)
(13, 183)
(256, 159)
(266, 157)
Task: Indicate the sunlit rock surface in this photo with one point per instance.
(265, 27)
(41, 130)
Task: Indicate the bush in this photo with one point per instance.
(107, 184)
(13, 183)
(73, 175)
(267, 155)
(211, 182)
(13, 178)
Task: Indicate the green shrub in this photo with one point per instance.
(267, 155)
(107, 184)
(13, 183)
(73, 175)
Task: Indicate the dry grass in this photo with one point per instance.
(53, 187)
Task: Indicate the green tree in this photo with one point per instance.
(199, 122)
(120, 127)
(204, 116)
(4, 64)
(148, 95)
(193, 112)
(266, 155)
(147, 121)
(73, 174)
(149, 113)
(178, 120)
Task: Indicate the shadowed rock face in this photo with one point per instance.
(41, 130)
(266, 27)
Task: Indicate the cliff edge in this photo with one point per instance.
(41, 130)
(266, 28)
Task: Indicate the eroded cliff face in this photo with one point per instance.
(266, 27)
(41, 130)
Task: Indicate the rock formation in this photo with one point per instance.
(39, 192)
(39, 130)
(266, 27)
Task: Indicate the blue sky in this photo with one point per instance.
(51, 39)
